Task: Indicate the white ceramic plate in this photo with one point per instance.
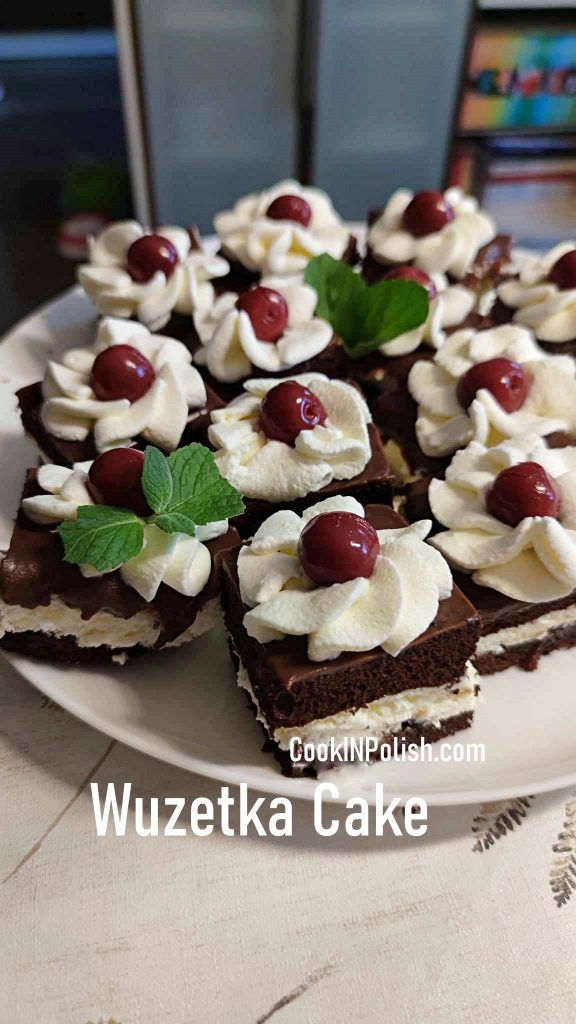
(184, 707)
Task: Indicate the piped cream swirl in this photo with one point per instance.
(71, 410)
(534, 561)
(274, 471)
(281, 246)
(231, 350)
(443, 426)
(390, 609)
(451, 250)
(538, 303)
(108, 284)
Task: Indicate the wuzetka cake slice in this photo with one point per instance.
(278, 231)
(114, 558)
(344, 623)
(270, 329)
(282, 442)
(509, 514)
(159, 278)
(438, 232)
(483, 386)
(130, 388)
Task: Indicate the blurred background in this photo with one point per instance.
(171, 109)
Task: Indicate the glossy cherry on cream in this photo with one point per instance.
(408, 273)
(522, 491)
(563, 273)
(115, 478)
(149, 254)
(290, 208)
(503, 378)
(289, 408)
(426, 213)
(268, 312)
(338, 546)
(121, 371)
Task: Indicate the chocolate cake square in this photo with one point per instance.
(48, 609)
(373, 485)
(66, 453)
(426, 691)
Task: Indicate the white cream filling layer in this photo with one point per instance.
(536, 629)
(427, 704)
(103, 629)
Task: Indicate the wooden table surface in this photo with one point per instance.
(475, 922)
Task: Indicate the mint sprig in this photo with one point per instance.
(364, 316)
(184, 491)
(102, 536)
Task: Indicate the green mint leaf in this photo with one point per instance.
(364, 316)
(199, 491)
(102, 536)
(388, 309)
(335, 283)
(175, 522)
(156, 479)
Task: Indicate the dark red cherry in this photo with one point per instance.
(503, 378)
(563, 273)
(409, 273)
(268, 312)
(290, 208)
(338, 546)
(426, 213)
(522, 491)
(149, 254)
(115, 478)
(289, 408)
(121, 371)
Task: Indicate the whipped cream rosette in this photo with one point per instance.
(264, 468)
(449, 308)
(387, 609)
(532, 561)
(538, 302)
(181, 562)
(71, 410)
(443, 425)
(182, 285)
(231, 349)
(450, 250)
(268, 245)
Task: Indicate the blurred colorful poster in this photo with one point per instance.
(520, 78)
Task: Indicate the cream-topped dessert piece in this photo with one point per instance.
(181, 562)
(71, 410)
(231, 350)
(533, 561)
(275, 471)
(271, 246)
(449, 308)
(187, 290)
(540, 304)
(388, 609)
(451, 250)
(443, 425)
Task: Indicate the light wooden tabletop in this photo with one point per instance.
(477, 921)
